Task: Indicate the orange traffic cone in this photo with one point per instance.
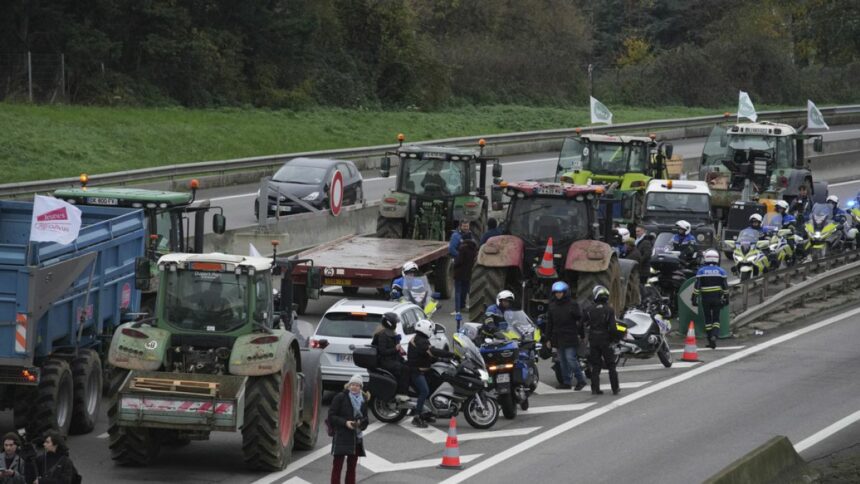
(690, 351)
(451, 456)
(547, 268)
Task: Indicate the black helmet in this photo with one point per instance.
(600, 294)
(390, 320)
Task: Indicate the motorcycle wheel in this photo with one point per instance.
(665, 355)
(386, 411)
(509, 406)
(746, 275)
(478, 419)
(524, 405)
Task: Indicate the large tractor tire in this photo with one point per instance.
(306, 434)
(130, 446)
(87, 380)
(630, 281)
(609, 278)
(300, 299)
(54, 400)
(487, 282)
(271, 414)
(443, 278)
(389, 228)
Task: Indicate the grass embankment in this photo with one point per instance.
(44, 142)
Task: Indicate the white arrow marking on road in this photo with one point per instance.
(827, 432)
(377, 464)
(719, 348)
(657, 366)
(544, 389)
(438, 436)
(557, 408)
(296, 480)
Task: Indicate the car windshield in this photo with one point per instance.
(748, 236)
(607, 158)
(301, 174)
(206, 301)
(434, 178)
(349, 325)
(721, 146)
(821, 212)
(679, 202)
(535, 219)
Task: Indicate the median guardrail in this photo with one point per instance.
(249, 170)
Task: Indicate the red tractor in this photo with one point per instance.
(561, 218)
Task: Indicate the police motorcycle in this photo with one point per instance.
(509, 349)
(669, 270)
(825, 235)
(780, 248)
(747, 251)
(455, 385)
(417, 290)
(645, 330)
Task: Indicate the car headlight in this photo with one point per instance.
(311, 196)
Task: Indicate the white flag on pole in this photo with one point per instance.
(600, 113)
(54, 221)
(252, 251)
(814, 119)
(745, 107)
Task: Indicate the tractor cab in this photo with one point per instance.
(627, 161)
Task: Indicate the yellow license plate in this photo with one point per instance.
(337, 282)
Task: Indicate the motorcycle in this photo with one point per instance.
(511, 357)
(825, 235)
(454, 386)
(645, 335)
(748, 253)
(669, 270)
(416, 289)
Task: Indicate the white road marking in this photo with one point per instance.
(438, 436)
(657, 366)
(826, 432)
(510, 453)
(573, 407)
(296, 480)
(102, 436)
(719, 348)
(840, 184)
(377, 464)
(544, 389)
(296, 465)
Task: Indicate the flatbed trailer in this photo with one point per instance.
(353, 262)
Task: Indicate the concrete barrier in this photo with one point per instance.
(774, 462)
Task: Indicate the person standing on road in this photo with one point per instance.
(801, 205)
(602, 333)
(12, 467)
(53, 466)
(645, 247)
(564, 330)
(712, 292)
(492, 230)
(457, 237)
(420, 356)
(463, 263)
(389, 353)
(348, 417)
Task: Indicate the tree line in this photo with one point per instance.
(429, 54)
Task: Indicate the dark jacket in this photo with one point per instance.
(419, 352)
(490, 233)
(345, 440)
(385, 342)
(634, 254)
(465, 260)
(600, 322)
(55, 467)
(645, 248)
(564, 323)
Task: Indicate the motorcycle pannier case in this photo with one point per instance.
(365, 358)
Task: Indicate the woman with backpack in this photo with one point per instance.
(347, 418)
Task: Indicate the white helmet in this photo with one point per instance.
(684, 226)
(409, 267)
(424, 327)
(756, 217)
(624, 233)
(711, 257)
(833, 198)
(782, 204)
(504, 295)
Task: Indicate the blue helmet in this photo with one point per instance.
(789, 220)
(560, 286)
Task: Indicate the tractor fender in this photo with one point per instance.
(634, 181)
(588, 256)
(819, 192)
(311, 392)
(394, 205)
(469, 212)
(502, 251)
(257, 359)
(138, 353)
(628, 267)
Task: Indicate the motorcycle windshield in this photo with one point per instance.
(773, 221)
(748, 236)
(663, 243)
(521, 323)
(465, 349)
(637, 322)
(821, 214)
(416, 290)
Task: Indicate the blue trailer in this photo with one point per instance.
(59, 306)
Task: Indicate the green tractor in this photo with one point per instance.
(219, 354)
(168, 220)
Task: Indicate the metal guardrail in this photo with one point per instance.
(777, 289)
(272, 162)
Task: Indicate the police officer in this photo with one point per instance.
(599, 319)
(494, 316)
(838, 214)
(684, 242)
(712, 291)
(755, 222)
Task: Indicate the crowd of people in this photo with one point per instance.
(22, 464)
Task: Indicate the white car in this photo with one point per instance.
(350, 324)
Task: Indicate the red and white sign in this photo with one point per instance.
(336, 193)
(125, 296)
(54, 221)
(176, 406)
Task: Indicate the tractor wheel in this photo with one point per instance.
(306, 433)
(486, 284)
(300, 299)
(389, 228)
(631, 295)
(609, 278)
(131, 446)
(54, 400)
(443, 278)
(87, 380)
(270, 418)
